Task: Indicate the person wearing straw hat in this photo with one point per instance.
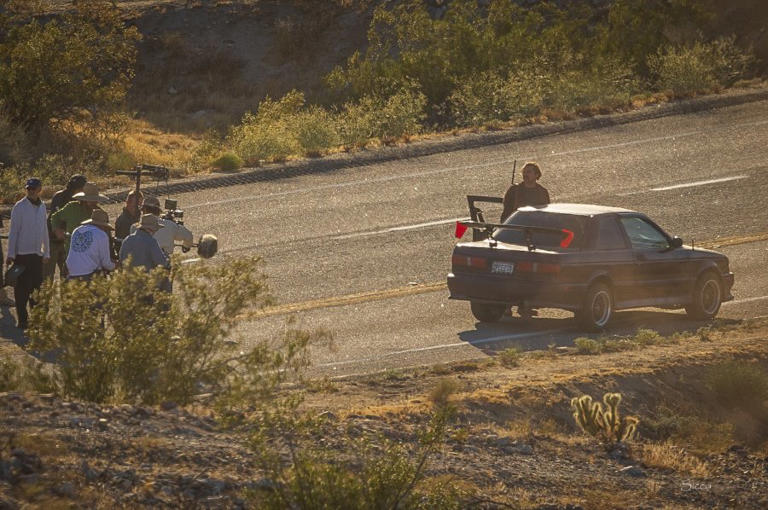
(72, 215)
(59, 200)
(89, 251)
(142, 248)
(169, 232)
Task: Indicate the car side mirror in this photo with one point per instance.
(676, 242)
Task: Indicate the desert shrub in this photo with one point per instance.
(603, 423)
(584, 85)
(634, 29)
(484, 98)
(441, 393)
(617, 344)
(670, 456)
(228, 162)
(739, 384)
(25, 375)
(268, 134)
(52, 68)
(369, 472)
(116, 340)
(647, 337)
(683, 70)
(386, 118)
(700, 67)
(315, 131)
(510, 357)
(586, 345)
(730, 62)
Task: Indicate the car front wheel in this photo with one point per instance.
(487, 312)
(597, 308)
(707, 297)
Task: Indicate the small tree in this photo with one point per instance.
(52, 69)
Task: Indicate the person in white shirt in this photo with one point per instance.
(28, 246)
(89, 251)
(170, 232)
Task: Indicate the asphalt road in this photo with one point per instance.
(371, 236)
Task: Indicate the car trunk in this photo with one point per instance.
(507, 261)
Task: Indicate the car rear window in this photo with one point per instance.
(543, 219)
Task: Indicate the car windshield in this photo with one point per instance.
(542, 219)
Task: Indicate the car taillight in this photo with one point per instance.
(568, 239)
(536, 267)
(466, 261)
(549, 268)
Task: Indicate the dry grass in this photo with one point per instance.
(672, 457)
(146, 143)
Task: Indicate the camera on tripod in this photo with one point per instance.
(172, 212)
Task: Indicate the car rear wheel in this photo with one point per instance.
(707, 297)
(487, 312)
(597, 308)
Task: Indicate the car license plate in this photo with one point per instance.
(503, 267)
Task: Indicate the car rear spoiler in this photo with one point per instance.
(487, 230)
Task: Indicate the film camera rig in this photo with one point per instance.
(207, 245)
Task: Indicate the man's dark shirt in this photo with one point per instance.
(124, 222)
(518, 195)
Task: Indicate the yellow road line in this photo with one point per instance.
(349, 299)
(733, 241)
(411, 290)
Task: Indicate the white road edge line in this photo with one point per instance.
(745, 300)
(700, 183)
(486, 340)
(439, 171)
(446, 346)
(399, 229)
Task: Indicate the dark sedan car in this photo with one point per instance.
(589, 259)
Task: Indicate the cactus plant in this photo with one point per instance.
(604, 423)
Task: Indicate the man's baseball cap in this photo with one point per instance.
(33, 183)
(77, 181)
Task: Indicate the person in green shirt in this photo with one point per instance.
(69, 217)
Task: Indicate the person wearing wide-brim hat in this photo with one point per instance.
(61, 198)
(143, 249)
(89, 251)
(169, 233)
(68, 218)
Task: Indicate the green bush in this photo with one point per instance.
(647, 337)
(228, 162)
(484, 98)
(117, 341)
(700, 67)
(370, 472)
(315, 131)
(52, 68)
(586, 345)
(268, 134)
(683, 70)
(510, 357)
(25, 375)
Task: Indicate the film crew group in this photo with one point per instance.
(82, 230)
(528, 192)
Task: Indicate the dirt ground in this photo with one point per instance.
(513, 442)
